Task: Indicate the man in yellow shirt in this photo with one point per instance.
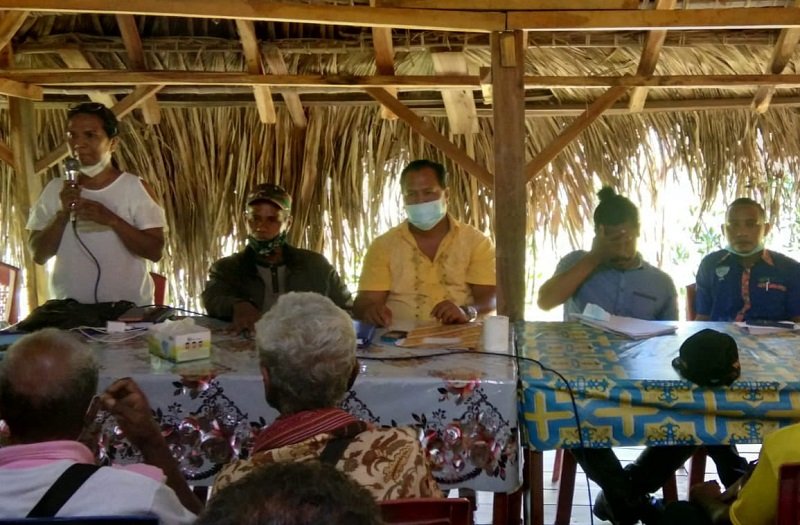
(750, 501)
(430, 266)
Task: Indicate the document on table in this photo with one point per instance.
(628, 326)
(766, 328)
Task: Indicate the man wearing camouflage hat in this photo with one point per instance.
(243, 286)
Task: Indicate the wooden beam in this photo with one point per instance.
(93, 79)
(662, 81)
(647, 63)
(121, 109)
(10, 22)
(276, 64)
(512, 5)
(383, 45)
(74, 58)
(781, 54)
(643, 20)
(359, 16)
(573, 130)
(452, 151)
(255, 66)
(133, 46)
(12, 88)
(113, 77)
(459, 103)
(28, 187)
(510, 194)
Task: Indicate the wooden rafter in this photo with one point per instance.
(277, 65)
(416, 123)
(781, 54)
(573, 130)
(255, 66)
(360, 16)
(644, 20)
(647, 63)
(512, 5)
(383, 45)
(133, 45)
(109, 78)
(10, 22)
(12, 88)
(459, 103)
(121, 109)
(74, 58)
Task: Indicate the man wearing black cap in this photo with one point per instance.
(242, 287)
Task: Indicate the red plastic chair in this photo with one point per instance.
(9, 293)
(789, 495)
(160, 284)
(427, 511)
(691, 294)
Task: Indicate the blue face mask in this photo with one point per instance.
(759, 248)
(427, 214)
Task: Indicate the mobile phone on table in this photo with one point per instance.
(392, 336)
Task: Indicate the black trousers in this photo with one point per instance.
(730, 465)
(625, 487)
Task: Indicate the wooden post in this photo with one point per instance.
(510, 195)
(29, 186)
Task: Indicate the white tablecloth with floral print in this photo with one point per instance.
(465, 406)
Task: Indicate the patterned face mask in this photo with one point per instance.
(266, 248)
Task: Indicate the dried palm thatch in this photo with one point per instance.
(342, 168)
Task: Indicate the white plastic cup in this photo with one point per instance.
(495, 334)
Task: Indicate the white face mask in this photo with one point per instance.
(426, 215)
(95, 169)
(758, 248)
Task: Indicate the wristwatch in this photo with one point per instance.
(470, 311)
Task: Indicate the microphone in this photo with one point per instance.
(71, 171)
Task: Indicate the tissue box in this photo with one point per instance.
(183, 346)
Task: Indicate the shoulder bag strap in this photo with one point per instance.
(62, 490)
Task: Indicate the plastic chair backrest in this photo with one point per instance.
(691, 294)
(789, 495)
(160, 288)
(102, 520)
(427, 511)
(9, 293)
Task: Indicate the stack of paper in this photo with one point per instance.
(628, 326)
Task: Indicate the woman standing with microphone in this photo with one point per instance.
(101, 253)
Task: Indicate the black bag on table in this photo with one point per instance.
(69, 313)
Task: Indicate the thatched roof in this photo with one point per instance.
(210, 144)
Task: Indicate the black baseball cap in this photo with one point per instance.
(708, 358)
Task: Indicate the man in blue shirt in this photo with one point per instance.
(613, 276)
(745, 281)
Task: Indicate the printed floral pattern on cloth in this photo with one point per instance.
(389, 462)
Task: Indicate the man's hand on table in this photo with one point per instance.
(378, 314)
(245, 316)
(447, 312)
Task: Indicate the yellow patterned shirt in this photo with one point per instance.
(394, 263)
(389, 462)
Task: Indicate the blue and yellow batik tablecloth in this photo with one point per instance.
(627, 392)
